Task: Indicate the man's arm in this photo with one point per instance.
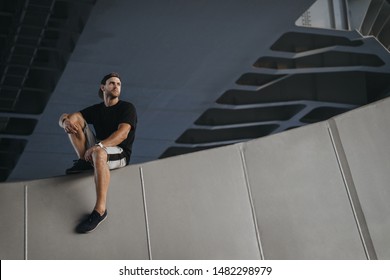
(113, 140)
(118, 136)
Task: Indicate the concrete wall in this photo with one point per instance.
(317, 192)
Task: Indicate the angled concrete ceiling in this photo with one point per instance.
(200, 73)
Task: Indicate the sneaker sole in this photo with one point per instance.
(96, 225)
(78, 171)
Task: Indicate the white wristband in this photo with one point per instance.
(100, 145)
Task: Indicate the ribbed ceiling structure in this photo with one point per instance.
(36, 40)
(307, 76)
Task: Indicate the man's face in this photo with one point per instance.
(112, 88)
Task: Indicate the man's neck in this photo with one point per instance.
(110, 102)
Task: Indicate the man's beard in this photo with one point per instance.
(112, 96)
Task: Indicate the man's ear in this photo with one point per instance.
(102, 88)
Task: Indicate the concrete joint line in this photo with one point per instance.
(146, 213)
(351, 191)
(251, 202)
(25, 222)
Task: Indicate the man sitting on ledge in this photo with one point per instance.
(115, 123)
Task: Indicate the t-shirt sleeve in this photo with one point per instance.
(129, 116)
(88, 113)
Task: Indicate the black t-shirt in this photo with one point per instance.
(106, 120)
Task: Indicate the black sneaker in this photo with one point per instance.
(79, 166)
(91, 223)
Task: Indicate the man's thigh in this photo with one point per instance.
(91, 138)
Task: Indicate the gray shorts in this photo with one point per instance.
(116, 158)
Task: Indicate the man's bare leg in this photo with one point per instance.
(102, 179)
(78, 139)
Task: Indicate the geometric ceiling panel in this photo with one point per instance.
(36, 40)
(17, 126)
(297, 42)
(322, 114)
(325, 59)
(226, 116)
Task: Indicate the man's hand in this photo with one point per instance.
(70, 127)
(89, 152)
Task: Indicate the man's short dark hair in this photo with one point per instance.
(104, 80)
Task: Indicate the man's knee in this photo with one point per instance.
(99, 156)
(77, 119)
(77, 124)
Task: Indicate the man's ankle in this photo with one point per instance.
(101, 213)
